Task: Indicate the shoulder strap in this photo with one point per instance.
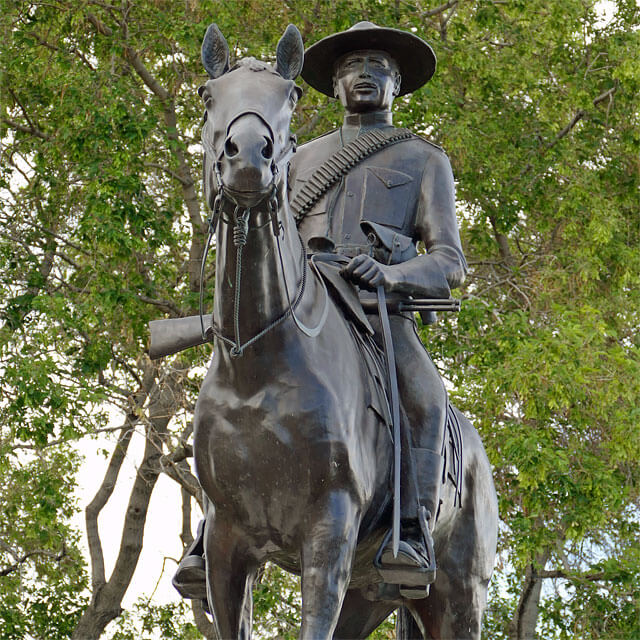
(340, 163)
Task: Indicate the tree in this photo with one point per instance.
(102, 230)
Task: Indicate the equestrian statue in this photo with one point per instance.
(324, 440)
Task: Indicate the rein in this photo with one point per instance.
(240, 234)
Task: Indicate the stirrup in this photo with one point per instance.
(413, 571)
(190, 578)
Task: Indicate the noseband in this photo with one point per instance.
(240, 221)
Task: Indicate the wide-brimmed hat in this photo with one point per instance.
(415, 58)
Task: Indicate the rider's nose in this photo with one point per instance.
(364, 70)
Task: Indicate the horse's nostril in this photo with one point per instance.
(230, 148)
(267, 150)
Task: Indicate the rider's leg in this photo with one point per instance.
(424, 400)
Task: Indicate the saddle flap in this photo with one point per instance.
(344, 293)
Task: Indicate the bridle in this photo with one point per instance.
(240, 221)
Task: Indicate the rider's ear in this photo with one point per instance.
(397, 83)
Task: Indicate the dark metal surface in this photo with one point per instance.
(293, 459)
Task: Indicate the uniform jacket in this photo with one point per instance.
(407, 187)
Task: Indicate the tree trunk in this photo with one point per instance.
(107, 597)
(524, 621)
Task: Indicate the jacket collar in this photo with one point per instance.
(356, 124)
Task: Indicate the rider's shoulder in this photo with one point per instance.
(323, 140)
(316, 151)
(426, 144)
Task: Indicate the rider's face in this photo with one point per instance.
(366, 81)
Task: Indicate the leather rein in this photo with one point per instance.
(240, 220)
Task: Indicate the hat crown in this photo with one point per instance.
(364, 24)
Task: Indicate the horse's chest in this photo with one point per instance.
(268, 455)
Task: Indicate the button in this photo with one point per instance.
(350, 194)
(347, 236)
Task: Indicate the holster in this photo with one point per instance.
(388, 246)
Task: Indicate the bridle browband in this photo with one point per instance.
(240, 220)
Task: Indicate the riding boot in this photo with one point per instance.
(190, 579)
(414, 568)
(428, 466)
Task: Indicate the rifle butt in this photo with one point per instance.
(173, 335)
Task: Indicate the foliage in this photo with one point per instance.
(148, 621)
(101, 230)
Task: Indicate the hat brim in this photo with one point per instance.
(415, 58)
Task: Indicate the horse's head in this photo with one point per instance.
(246, 134)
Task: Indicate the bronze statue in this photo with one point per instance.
(295, 437)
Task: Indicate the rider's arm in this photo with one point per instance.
(444, 266)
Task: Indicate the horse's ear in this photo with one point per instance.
(290, 53)
(215, 52)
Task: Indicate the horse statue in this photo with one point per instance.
(292, 459)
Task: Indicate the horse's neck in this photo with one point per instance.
(263, 295)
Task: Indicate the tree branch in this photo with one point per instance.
(30, 554)
(100, 499)
(437, 10)
(184, 173)
(106, 602)
(31, 130)
(523, 624)
(568, 128)
(173, 174)
(576, 577)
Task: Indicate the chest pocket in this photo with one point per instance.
(387, 195)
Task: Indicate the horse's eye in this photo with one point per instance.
(295, 94)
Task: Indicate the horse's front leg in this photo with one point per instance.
(231, 572)
(327, 557)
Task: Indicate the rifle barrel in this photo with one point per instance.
(415, 304)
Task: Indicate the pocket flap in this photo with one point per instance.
(389, 177)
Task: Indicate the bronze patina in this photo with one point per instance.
(293, 438)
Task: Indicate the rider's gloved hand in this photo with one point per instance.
(368, 273)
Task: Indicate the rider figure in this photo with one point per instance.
(406, 189)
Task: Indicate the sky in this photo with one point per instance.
(162, 547)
